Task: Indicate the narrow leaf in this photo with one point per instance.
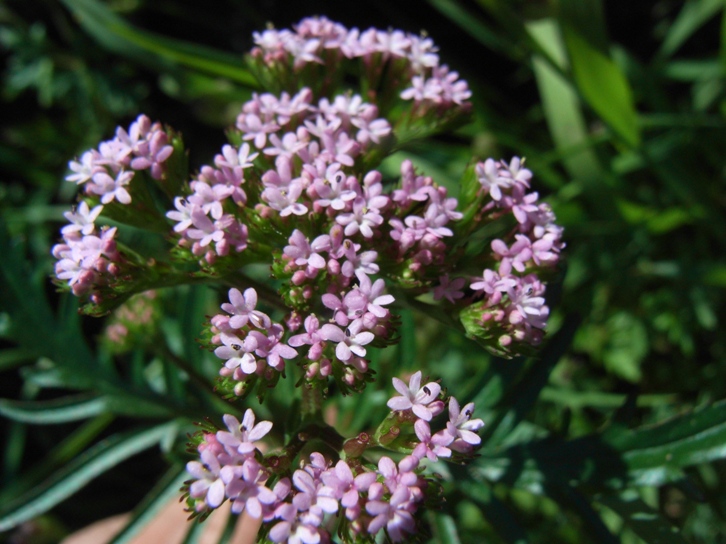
(614, 459)
(444, 527)
(164, 491)
(11, 358)
(521, 398)
(53, 411)
(69, 448)
(646, 522)
(31, 317)
(692, 16)
(115, 34)
(603, 86)
(561, 103)
(79, 472)
(654, 453)
(474, 26)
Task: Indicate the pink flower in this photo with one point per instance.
(462, 428)
(304, 253)
(395, 514)
(110, 189)
(349, 342)
(415, 397)
(242, 309)
(239, 353)
(244, 485)
(434, 446)
(491, 178)
(208, 483)
(449, 289)
(82, 219)
(85, 169)
(342, 485)
(183, 214)
(243, 436)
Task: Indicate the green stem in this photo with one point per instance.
(427, 309)
(312, 401)
(162, 349)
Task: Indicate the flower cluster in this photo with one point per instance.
(251, 343)
(421, 404)
(107, 172)
(87, 258)
(303, 149)
(300, 190)
(512, 308)
(253, 346)
(410, 59)
(367, 496)
(296, 183)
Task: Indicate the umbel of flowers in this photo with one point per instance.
(366, 496)
(297, 188)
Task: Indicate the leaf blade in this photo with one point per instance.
(164, 491)
(117, 35)
(79, 472)
(64, 410)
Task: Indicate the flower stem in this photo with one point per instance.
(312, 401)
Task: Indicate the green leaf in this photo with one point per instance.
(79, 472)
(603, 86)
(516, 40)
(626, 346)
(11, 358)
(145, 406)
(444, 528)
(646, 522)
(507, 525)
(653, 453)
(521, 398)
(473, 25)
(53, 411)
(600, 399)
(601, 82)
(165, 490)
(614, 459)
(115, 34)
(693, 15)
(561, 103)
(692, 70)
(31, 317)
(68, 449)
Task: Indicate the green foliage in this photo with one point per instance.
(584, 442)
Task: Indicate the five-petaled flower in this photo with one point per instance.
(419, 399)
